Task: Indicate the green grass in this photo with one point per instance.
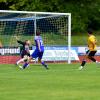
(61, 82)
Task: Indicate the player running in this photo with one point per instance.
(92, 49)
(25, 54)
(38, 53)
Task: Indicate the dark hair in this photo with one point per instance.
(37, 33)
(90, 31)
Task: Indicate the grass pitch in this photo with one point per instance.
(61, 82)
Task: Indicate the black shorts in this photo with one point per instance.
(91, 53)
(23, 53)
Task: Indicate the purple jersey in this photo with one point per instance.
(39, 39)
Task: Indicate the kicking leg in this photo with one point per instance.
(93, 59)
(19, 61)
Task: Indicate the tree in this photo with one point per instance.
(85, 13)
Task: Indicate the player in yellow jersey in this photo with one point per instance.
(92, 49)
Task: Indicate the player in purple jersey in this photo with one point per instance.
(38, 53)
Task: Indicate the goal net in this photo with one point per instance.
(55, 28)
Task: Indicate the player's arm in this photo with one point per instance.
(39, 45)
(20, 42)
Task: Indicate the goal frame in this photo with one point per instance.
(52, 13)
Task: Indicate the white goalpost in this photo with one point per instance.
(53, 26)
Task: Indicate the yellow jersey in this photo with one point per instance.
(92, 43)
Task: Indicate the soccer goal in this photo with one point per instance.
(55, 28)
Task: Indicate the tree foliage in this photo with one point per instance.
(85, 13)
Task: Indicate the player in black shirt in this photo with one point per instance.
(25, 53)
(25, 48)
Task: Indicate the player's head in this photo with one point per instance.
(90, 32)
(38, 33)
(27, 42)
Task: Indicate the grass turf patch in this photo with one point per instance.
(61, 82)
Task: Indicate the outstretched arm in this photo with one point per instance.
(20, 42)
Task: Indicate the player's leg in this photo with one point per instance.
(20, 60)
(91, 56)
(37, 54)
(83, 63)
(40, 55)
(34, 55)
(26, 61)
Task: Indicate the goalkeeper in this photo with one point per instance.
(25, 54)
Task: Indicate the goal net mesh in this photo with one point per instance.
(53, 28)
